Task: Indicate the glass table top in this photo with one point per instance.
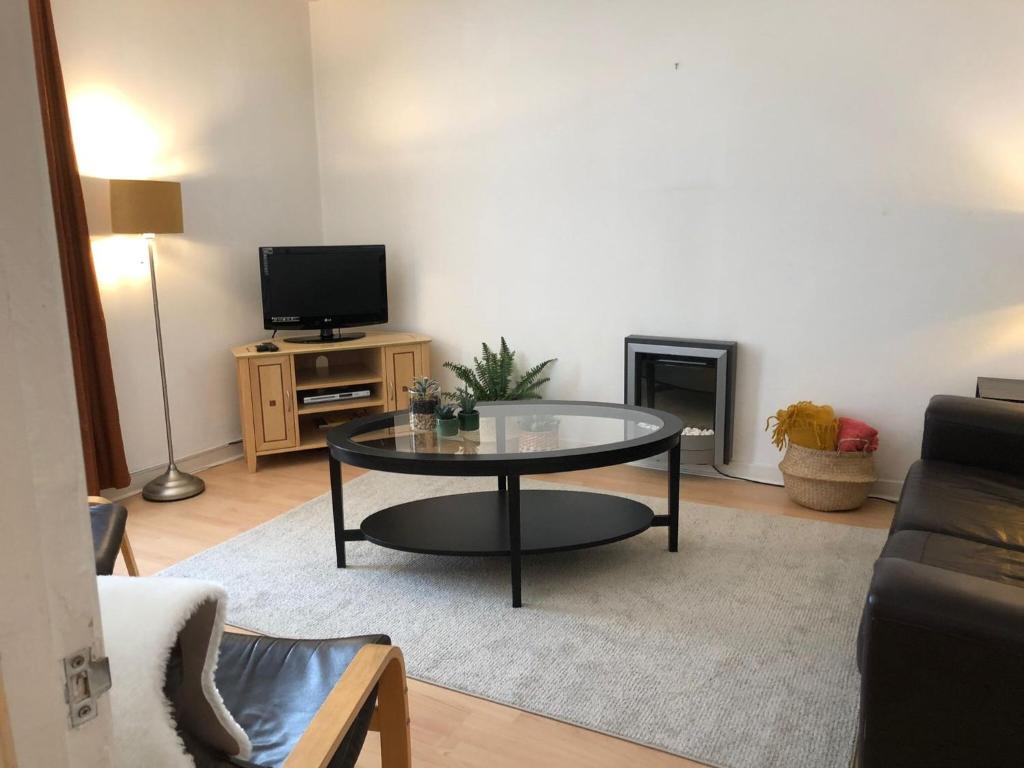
(512, 428)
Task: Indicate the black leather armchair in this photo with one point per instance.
(941, 647)
(303, 703)
(109, 522)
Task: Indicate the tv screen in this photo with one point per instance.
(323, 286)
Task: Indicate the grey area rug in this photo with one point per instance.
(738, 651)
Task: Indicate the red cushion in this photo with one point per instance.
(855, 435)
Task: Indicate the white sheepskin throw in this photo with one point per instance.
(143, 620)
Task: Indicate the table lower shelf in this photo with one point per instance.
(477, 523)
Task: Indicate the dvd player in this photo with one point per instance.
(320, 396)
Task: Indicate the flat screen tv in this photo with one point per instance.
(323, 287)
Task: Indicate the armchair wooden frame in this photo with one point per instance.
(382, 666)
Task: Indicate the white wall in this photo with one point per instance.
(219, 96)
(837, 186)
(47, 569)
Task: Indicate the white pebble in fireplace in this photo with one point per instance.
(695, 431)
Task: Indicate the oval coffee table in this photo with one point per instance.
(523, 437)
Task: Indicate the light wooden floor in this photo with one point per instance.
(448, 728)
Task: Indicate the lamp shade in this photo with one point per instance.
(141, 207)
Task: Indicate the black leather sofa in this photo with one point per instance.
(941, 646)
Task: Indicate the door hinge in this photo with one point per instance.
(86, 678)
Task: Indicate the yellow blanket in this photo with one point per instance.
(805, 424)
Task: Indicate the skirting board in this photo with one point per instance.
(769, 474)
(762, 473)
(885, 489)
(197, 462)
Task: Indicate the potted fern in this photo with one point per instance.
(447, 422)
(424, 396)
(490, 378)
(469, 416)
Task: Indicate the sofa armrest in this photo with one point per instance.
(939, 600)
(975, 432)
(942, 669)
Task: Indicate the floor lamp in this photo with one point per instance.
(149, 208)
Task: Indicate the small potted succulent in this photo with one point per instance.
(469, 416)
(538, 433)
(447, 422)
(424, 397)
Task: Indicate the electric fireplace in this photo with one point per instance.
(693, 379)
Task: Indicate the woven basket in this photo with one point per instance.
(829, 481)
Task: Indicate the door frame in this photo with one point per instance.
(47, 567)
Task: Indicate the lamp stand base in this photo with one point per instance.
(173, 485)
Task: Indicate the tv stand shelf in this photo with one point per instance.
(340, 405)
(270, 386)
(340, 375)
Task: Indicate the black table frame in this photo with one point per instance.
(508, 468)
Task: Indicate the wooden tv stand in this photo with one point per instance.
(271, 384)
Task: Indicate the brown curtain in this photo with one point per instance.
(102, 446)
